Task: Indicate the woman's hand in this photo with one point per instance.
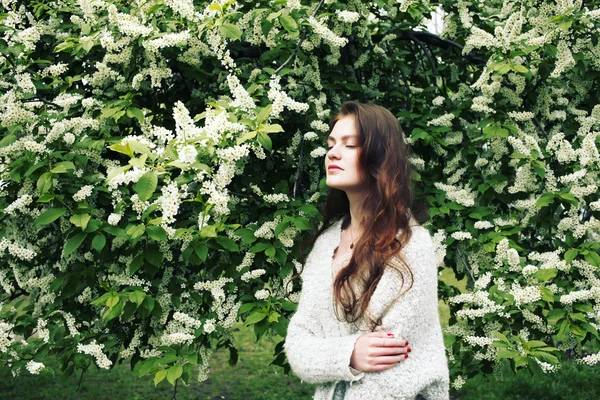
(378, 351)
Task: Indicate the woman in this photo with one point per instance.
(370, 281)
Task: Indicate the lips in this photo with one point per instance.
(334, 168)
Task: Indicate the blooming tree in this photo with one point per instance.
(161, 159)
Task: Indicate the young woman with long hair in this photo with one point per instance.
(367, 325)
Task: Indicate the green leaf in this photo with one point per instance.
(263, 113)
(124, 149)
(288, 22)
(112, 300)
(231, 31)
(136, 264)
(62, 167)
(570, 255)
(174, 373)
(302, 223)
(201, 251)
(247, 235)
(555, 315)
(98, 242)
(113, 312)
(44, 183)
(135, 231)
(507, 353)
(255, 317)
(272, 128)
(160, 376)
(258, 247)
(137, 297)
(80, 220)
(270, 251)
(546, 274)
(265, 141)
(545, 199)
(146, 185)
(134, 112)
(593, 258)
(50, 215)
(74, 243)
(520, 68)
(157, 233)
(228, 244)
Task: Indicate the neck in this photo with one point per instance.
(356, 200)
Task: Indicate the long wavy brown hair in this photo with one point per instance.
(387, 208)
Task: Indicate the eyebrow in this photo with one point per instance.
(345, 137)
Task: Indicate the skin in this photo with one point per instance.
(373, 351)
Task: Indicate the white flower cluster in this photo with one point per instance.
(326, 34)
(187, 154)
(169, 202)
(444, 120)
(246, 261)
(241, 96)
(177, 338)
(95, 350)
(42, 332)
(167, 40)
(457, 194)
(215, 288)
(439, 242)
(280, 99)
(483, 225)
(6, 336)
(462, 235)
(438, 101)
(34, 367)
(590, 360)
(257, 273)
(267, 230)
(581, 295)
(311, 136)
(83, 193)
(262, 294)
(525, 294)
(348, 17)
(458, 382)
(479, 299)
(318, 152)
(187, 320)
(276, 198)
(319, 125)
(185, 8)
(113, 219)
(20, 204)
(16, 250)
(564, 60)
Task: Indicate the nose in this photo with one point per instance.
(333, 153)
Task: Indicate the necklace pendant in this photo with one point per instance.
(351, 246)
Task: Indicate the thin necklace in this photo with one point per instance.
(352, 238)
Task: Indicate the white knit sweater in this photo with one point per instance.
(319, 346)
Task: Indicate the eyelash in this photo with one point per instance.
(350, 146)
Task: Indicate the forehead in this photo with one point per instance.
(344, 128)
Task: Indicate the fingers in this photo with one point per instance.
(388, 351)
(388, 342)
(385, 363)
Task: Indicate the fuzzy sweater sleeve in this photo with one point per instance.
(414, 316)
(315, 356)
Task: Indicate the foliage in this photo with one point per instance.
(161, 159)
